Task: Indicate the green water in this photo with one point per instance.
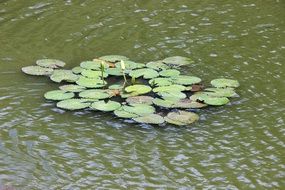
(238, 146)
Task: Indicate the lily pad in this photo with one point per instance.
(115, 87)
(157, 65)
(50, 63)
(139, 109)
(178, 61)
(223, 83)
(163, 103)
(169, 88)
(138, 89)
(221, 92)
(58, 95)
(146, 73)
(113, 58)
(186, 80)
(106, 106)
(93, 65)
(114, 71)
(130, 65)
(93, 74)
(37, 70)
(124, 114)
(72, 88)
(77, 70)
(73, 104)
(63, 75)
(210, 100)
(172, 95)
(181, 118)
(169, 73)
(140, 100)
(90, 82)
(94, 94)
(188, 104)
(160, 82)
(150, 119)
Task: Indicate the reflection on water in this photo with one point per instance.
(239, 146)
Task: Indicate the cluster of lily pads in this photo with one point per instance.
(152, 93)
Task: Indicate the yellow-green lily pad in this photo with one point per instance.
(105, 106)
(178, 61)
(138, 89)
(77, 70)
(130, 65)
(94, 65)
(50, 63)
(150, 119)
(169, 73)
(221, 92)
(93, 74)
(224, 83)
(63, 75)
(94, 94)
(37, 70)
(73, 104)
(186, 80)
(72, 88)
(210, 100)
(140, 100)
(157, 65)
(146, 73)
(160, 82)
(169, 88)
(139, 109)
(181, 118)
(58, 95)
(90, 82)
(124, 114)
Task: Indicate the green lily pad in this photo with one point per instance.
(106, 106)
(139, 109)
(181, 118)
(178, 61)
(114, 71)
(93, 74)
(58, 95)
(157, 65)
(223, 83)
(210, 100)
(160, 82)
(169, 88)
(169, 73)
(72, 88)
(146, 73)
(221, 92)
(113, 58)
(150, 119)
(163, 103)
(186, 80)
(124, 114)
(63, 75)
(130, 65)
(138, 89)
(90, 82)
(73, 104)
(172, 95)
(93, 65)
(94, 94)
(140, 100)
(116, 87)
(37, 70)
(77, 70)
(50, 63)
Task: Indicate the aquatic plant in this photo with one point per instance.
(157, 92)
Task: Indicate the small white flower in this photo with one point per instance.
(123, 65)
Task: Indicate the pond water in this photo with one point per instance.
(237, 146)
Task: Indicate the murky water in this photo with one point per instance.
(238, 146)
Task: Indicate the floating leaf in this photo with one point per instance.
(188, 104)
(114, 71)
(223, 83)
(90, 82)
(63, 75)
(77, 70)
(139, 109)
(164, 103)
(94, 94)
(160, 82)
(145, 73)
(93, 74)
(177, 61)
(169, 73)
(172, 95)
(181, 118)
(124, 114)
(106, 106)
(157, 65)
(50, 63)
(169, 88)
(186, 80)
(138, 89)
(115, 87)
(37, 70)
(73, 104)
(72, 88)
(140, 100)
(130, 65)
(210, 100)
(58, 95)
(150, 119)
(221, 92)
(93, 65)
(113, 58)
